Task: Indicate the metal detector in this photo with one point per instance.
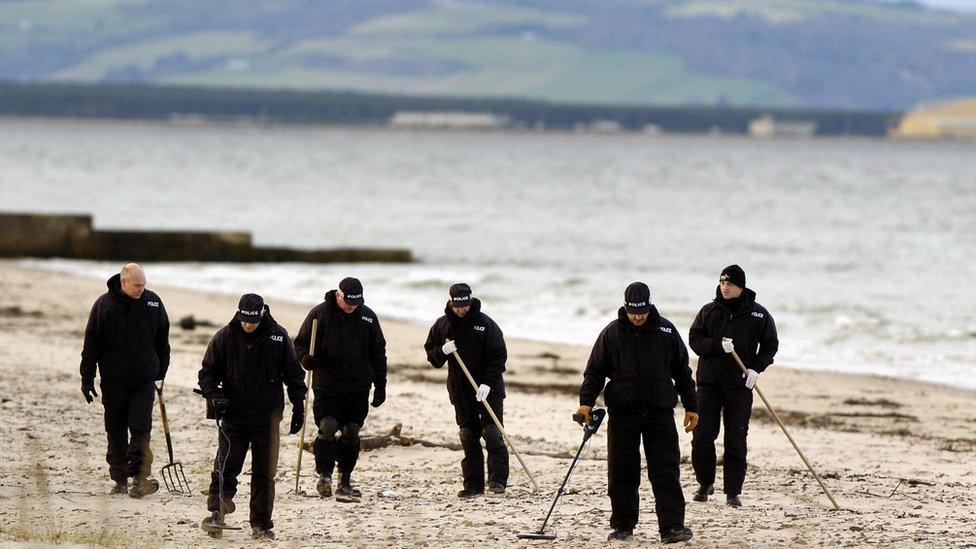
(214, 525)
(590, 429)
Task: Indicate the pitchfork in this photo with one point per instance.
(172, 472)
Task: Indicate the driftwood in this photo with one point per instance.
(393, 437)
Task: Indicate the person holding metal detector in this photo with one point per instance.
(243, 370)
(733, 321)
(127, 342)
(646, 361)
(473, 335)
(350, 356)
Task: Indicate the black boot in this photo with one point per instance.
(142, 487)
(208, 525)
(470, 493)
(262, 533)
(733, 501)
(620, 534)
(121, 488)
(703, 492)
(496, 488)
(324, 486)
(346, 491)
(676, 534)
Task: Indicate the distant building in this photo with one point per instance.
(767, 126)
(449, 120)
(598, 126)
(651, 129)
(954, 120)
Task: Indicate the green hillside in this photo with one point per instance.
(806, 53)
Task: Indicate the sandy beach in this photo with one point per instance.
(898, 455)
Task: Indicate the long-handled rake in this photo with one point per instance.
(172, 472)
(308, 397)
(786, 432)
(589, 430)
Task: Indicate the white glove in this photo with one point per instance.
(752, 377)
(727, 345)
(482, 392)
(449, 347)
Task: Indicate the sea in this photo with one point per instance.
(861, 249)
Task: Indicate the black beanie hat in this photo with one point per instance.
(637, 298)
(352, 290)
(250, 309)
(460, 295)
(733, 274)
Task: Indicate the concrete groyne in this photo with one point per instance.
(73, 237)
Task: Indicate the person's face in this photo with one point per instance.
(134, 285)
(461, 311)
(637, 320)
(249, 327)
(340, 299)
(729, 290)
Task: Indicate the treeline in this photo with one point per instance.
(138, 101)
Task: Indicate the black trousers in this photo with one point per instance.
(476, 420)
(128, 424)
(345, 409)
(660, 436)
(734, 406)
(234, 441)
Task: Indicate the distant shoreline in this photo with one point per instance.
(261, 107)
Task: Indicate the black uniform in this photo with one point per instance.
(648, 368)
(482, 347)
(249, 370)
(350, 355)
(127, 341)
(721, 386)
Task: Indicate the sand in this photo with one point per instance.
(898, 455)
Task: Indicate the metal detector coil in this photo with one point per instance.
(589, 429)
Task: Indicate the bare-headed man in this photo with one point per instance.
(127, 343)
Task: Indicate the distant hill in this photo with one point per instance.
(795, 53)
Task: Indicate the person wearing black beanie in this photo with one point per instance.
(645, 360)
(465, 330)
(732, 321)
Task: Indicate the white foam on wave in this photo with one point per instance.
(548, 304)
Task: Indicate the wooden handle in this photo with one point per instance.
(498, 424)
(787, 433)
(308, 390)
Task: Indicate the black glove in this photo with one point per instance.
(297, 419)
(308, 362)
(379, 396)
(88, 389)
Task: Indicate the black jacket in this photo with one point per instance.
(753, 333)
(350, 350)
(480, 343)
(126, 339)
(251, 369)
(647, 366)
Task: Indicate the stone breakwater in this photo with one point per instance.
(74, 237)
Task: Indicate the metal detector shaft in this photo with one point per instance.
(787, 433)
(559, 492)
(308, 391)
(464, 368)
